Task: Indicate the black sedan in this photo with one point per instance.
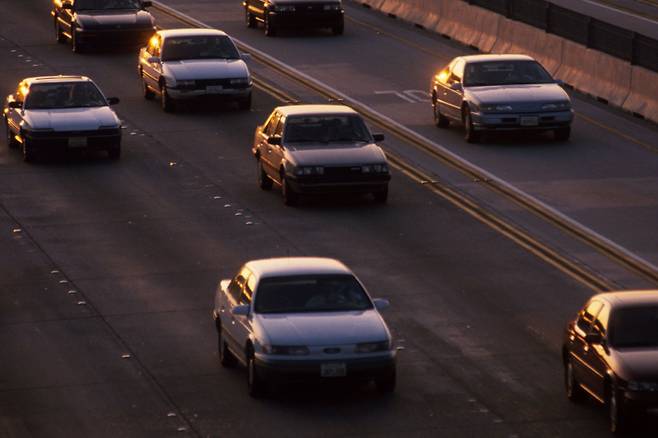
(109, 22)
(611, 354)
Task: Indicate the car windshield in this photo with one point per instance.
(505, 73)
(310, 293)
(81, 5)
(199, 47)
(326, 129)
(64, 95)
(634, 327)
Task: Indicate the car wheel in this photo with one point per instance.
(439, 119)
(264, 181)
(617, 414)
(381, 196)
(114, 153)
(168, 104)
(59, 36)
(338, 29)
(249, 18)
(290, 197)
(146, 91)
(386, 385)
(29, 153)
(245, 103)
(572, 387)
(562, 134)
(11, 141)
(270, 30)
(255, 383)
(76, 46)
(226, 358)
(471, 135)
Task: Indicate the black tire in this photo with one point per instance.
(29, 154)
(381, 196)
(617, 413)
(290, 197)
(562, 134)
(338, 29)
(59, 36)
(114, 153)
(264, 181)
(244, 104)
(574, 391)
(255, 384)
(386, 385)
(76, 46)
(11, 141)
(470, 135)
(168, 104)
(250, 20)
(146, 91)
(439, 119)
(226, 358)
(270, 29)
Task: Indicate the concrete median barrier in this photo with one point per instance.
(643, 98)
(470, 25)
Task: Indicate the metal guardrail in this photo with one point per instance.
(622, 43)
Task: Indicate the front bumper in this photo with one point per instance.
(307, 16)
(103, 139)
(321, 184)
(195, 93)
(124, 37)
(522, 121)
(364, 369)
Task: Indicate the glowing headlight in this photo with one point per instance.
(371, 347)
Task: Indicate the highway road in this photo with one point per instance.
(107, 269)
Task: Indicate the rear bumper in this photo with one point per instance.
(307, 19)
(513, 122)
(75, 140)
(319, 185)
(231, 93)
(115, 37)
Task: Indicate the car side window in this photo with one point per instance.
(19, 96)
(601, 322)
(587, 316)
(279, 127)
(248, 290)
(271, 124)
(153, 48)
(235, 287)
(457, 71)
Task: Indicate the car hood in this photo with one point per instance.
(72, 119)
(511, 94)
(637, 363)
(336, 155)
(206, 69)
(111, 19)
(330, 328)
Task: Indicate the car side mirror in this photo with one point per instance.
(456, 86)
(593, 338)
(242, 310)
(14, 104)
(147, 4)
(381, 303)
(112, 100)
(378, 137)
(153, 60)
(223, 284)
(274, 140)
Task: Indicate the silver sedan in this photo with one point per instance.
(500, 92)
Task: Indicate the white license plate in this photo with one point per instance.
(333, 369)
(529, 121)
(214, 89)
(78, 142)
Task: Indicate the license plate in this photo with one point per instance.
(333, 370)
(214, 89)
(529, 121)
(78, 142)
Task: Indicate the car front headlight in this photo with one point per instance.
(495, 108)
(380, 168)
(286, 350)
(308, 170)
(642, 386)
(556, 106)
(372, 347)
(239, 81)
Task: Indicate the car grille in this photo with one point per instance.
(201, 84)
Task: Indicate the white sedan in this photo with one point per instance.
(302, 318)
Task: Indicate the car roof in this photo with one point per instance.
(629, 298)
(311, 110)
(283, 266)
(496, 57)
(55, 79)
(190, 32)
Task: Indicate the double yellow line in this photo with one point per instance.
(570, 267)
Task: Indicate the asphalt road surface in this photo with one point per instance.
(107, 269)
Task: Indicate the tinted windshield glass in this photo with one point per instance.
(199, 47)
(81, 5)
(326, 129)
(634, 327)
(310, 293)
(64, 95)
(505, 73)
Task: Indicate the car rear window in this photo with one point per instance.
(326, 129)
(505, 73)
(634, 327)
(64, 95)
(310, 293)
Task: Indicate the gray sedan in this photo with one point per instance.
(500, 92)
